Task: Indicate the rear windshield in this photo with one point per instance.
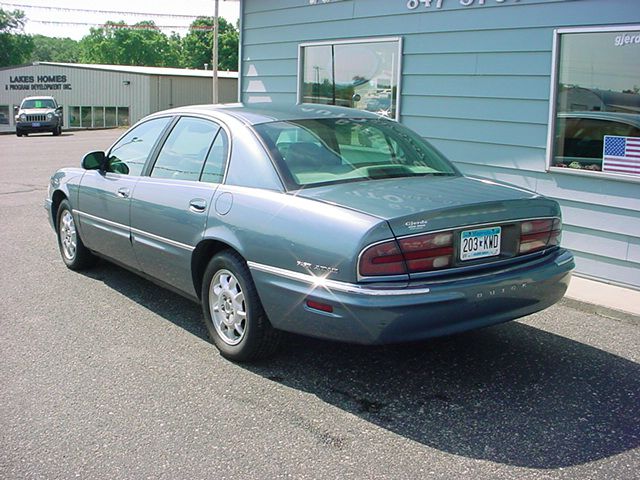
(38, 103)
(326, 151)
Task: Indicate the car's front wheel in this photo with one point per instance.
(235, 319)
(57, 131)
(74, 254)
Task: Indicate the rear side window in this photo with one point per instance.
(129, 155)
(214, 167)
(183, 155)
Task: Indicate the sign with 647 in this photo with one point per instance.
(413, 4)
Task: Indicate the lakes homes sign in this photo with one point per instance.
(37, 82)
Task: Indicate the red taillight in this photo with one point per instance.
(539, 234)
(382, 259)
(428, 252)
(408, 255)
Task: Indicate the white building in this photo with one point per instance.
(95, 96)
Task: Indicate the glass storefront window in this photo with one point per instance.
(98, 116)
(110, 119)
(74, 116)
(4, 115)
(85, 117)
(362, 74)
(123, 116)
(597, 101)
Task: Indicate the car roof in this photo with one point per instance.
(257, 113)
(38, 97)
(628, 118)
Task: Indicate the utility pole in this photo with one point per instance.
(215, 52)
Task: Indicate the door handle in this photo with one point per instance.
(198, 205)
(123, 192)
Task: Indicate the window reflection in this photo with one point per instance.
(358, 75)
(598, 98)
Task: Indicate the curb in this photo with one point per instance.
(611, 301)
(609, 313)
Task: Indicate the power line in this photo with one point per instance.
(125, 26)
(87, 10)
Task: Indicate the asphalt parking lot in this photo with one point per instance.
(105, 375)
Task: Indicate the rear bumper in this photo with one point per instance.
(372, 316)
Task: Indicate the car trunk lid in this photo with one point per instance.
(420, 204)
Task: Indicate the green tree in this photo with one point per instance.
(198, 44)
(15, 47)
(52, 49)
(143, 44)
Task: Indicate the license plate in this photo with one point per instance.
(35, 124)
(484, 242)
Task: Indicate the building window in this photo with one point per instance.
(361, 74)
(4, 115)
(110, 119)
(74, 116)
(98, 117)
(596, 114)
(87, 117)
(123, 116)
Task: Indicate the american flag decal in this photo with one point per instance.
(621, 154)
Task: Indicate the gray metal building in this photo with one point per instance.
(109, 95)
(497, 85)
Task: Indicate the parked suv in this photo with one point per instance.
(39, 114)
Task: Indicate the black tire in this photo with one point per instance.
(57, 131)
(240, 330)
(19, 134)
(76, 257)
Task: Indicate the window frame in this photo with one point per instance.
(153, 152)
(553, 103)
(351, 41)
(151, 161)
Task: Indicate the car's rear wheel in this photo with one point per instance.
(74, 254)
(235, 319)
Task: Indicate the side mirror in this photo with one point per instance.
(94, 161)
(59, 108)
(16, 109)
(356, 97)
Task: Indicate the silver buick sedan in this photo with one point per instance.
(323, 221)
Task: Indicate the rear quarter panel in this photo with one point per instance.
(293, 233)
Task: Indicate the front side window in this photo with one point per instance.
(183, 155)
(597, 104)
(327, 151)
(129, 155)
(362, 75)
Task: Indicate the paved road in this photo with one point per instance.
(104, 375)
